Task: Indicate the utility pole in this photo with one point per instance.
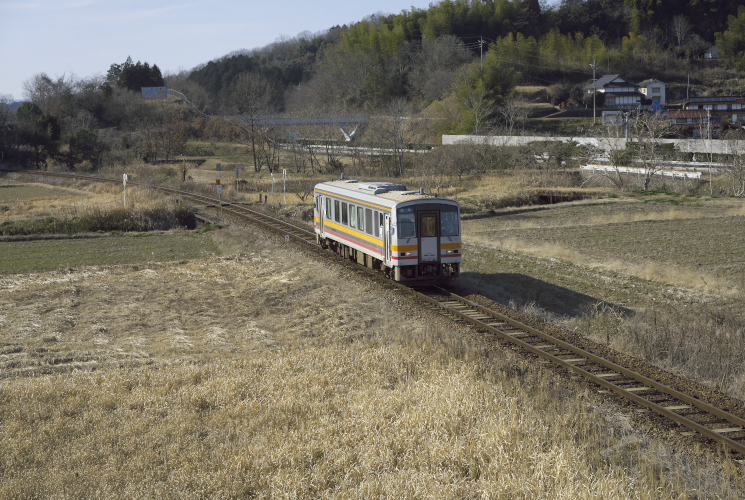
(594, 88)
(481, 46)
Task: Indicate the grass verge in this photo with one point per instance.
(51, 254)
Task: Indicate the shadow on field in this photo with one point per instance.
(519, 290)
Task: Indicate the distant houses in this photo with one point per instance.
(621, 93)
(696, 116)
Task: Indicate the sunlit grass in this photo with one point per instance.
(267, 375)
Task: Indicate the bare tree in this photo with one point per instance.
(647, 130)
(392, 130)
(513, 111)
(253, 98)
(433, 67)
(302, 188)
(191, 92)
(477, 103)
(163, 132)
(735, 168)
(54, 97)
(681, 28)
(613, 141)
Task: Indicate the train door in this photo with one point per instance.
(319, 212)
(387, 238)
(325, 211)
(428, 237)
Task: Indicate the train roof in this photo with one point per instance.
(379, 191)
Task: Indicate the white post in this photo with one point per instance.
(125, 178)
(284, 181)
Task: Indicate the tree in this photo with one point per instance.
(302, 188)
(734, 169)
(55, 97)
(392, 130)
(84, 147)
(7, 135)
(433, 67)
(731, 43)
(647, 130)
(681, 28)
(164, 133)
(38, 131)
(134, 76)
(514, 110)
(614, 142)
(253, 98)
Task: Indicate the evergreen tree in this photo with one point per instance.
(133, 76)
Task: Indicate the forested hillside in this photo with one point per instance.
(457, 64)
(420, 54)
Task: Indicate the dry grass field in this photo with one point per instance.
(259, 373)
(672, 266)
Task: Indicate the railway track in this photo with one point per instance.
(696, 415)
(692, 413)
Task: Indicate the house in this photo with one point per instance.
(618, 92)
(712, 53)
(654, 90)
(695, 120)
(721, 109)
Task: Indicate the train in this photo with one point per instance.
(411, 236)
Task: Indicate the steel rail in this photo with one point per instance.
(299, 233)
(489, 320)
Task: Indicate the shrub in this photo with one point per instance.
(115, 219)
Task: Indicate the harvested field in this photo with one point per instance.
(265, 374)
(259, 373)
(663, 278)
(695, 246)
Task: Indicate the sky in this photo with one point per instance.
(83, 38)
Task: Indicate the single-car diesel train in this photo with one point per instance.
(411, 236)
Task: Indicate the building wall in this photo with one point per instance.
(606, 144)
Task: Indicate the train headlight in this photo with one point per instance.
(453, 251)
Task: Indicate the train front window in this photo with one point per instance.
(449, 221)
(428, 226)
(406, 222)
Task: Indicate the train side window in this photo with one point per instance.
(449, 221)
(336, 210)
(406, 222)
(352, 216)
(328, 207)
(344, 213)
(361, 218)
(368, 220)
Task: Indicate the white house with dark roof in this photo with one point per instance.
(654, 90)
(618, 92)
